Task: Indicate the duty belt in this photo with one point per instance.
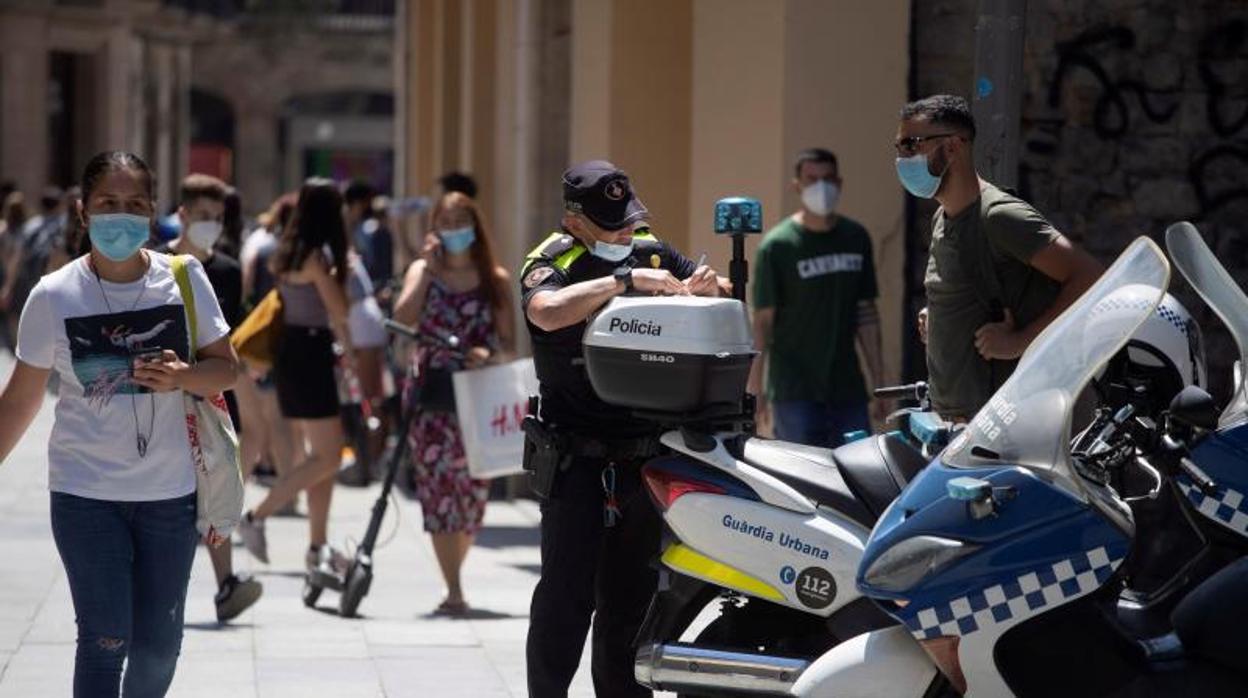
(589, 447)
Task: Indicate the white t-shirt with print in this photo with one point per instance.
(69, 327)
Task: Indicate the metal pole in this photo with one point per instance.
(998, 88)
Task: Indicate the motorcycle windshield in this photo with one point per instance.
(1027, 421)
(1206, 274)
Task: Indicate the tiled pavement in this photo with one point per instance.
(280, 648)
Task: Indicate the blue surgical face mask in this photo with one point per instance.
(457, 240)
(612, 252)
(916, 178)
(118, 236)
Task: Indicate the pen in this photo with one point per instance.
(701, 261)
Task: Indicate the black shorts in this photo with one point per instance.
(303, 372)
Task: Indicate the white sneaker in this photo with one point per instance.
(252, 532)
(327, 560)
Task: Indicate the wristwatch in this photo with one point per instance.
(624, 274)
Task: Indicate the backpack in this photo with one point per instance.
(256, 337)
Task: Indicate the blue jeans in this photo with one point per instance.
(816, 423)
(128, 565)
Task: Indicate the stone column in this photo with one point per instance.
(477, 97)
(160, 124)
(23, 102)
(180, 114)
(737, 114)
(256, 162)
(590, 135)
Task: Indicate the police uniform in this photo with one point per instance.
(600, 532)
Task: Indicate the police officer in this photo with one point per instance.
(599, 529)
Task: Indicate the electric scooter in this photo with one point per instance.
(358, 423)
(353, 585)
(1005, 557)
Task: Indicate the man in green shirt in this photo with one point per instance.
(997, 273)
(814, 295)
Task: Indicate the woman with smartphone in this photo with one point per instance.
(111, 324)
(458, 288)
(311, 268)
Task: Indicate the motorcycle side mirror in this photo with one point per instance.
(929, 429)
(968, 489)
(1195, 408)
(975, 492)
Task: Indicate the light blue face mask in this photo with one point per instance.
(916, 178)
(612, 252)
(457, 240)
(118, 236)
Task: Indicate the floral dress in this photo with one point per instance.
(450, 500)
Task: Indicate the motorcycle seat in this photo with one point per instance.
(858, 480)
(877, 468)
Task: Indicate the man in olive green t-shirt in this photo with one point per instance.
(814, 295)
(997, 273)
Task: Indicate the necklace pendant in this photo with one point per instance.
(141, 443)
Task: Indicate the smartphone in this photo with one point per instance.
(147, 357)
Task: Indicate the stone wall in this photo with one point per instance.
(1135, 115)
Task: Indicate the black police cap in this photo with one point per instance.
(601, 191)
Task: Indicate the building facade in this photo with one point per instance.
(80, 77)
(295, 96)
(696, 99)
(1134, 116)
(260, 94)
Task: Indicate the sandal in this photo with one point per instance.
(452, 609)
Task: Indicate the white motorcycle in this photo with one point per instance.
(772, 563)
(757, 589)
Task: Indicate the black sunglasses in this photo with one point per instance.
(910, 145)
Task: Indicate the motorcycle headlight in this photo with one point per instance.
(907, 563)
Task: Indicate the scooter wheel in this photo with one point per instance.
(311, 593)
(359, 579)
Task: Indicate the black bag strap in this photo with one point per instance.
(975, 256)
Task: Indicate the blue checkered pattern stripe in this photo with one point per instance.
(1172, 317)
(1118, 303)
(1048, 586)
(1228, 507)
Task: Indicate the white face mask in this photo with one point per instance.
(611, 252)
(821, 198)
(204, 234)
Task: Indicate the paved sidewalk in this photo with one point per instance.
(279, 648)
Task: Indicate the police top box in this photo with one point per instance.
(669, 354)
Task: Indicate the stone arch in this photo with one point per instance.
(279, 67)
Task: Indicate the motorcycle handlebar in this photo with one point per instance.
(450, 341)
(1142, 463)
(910, 391)
(1198, 476)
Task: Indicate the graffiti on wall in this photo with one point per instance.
(1128, 124)
(1221, 51)
(1111, 115)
